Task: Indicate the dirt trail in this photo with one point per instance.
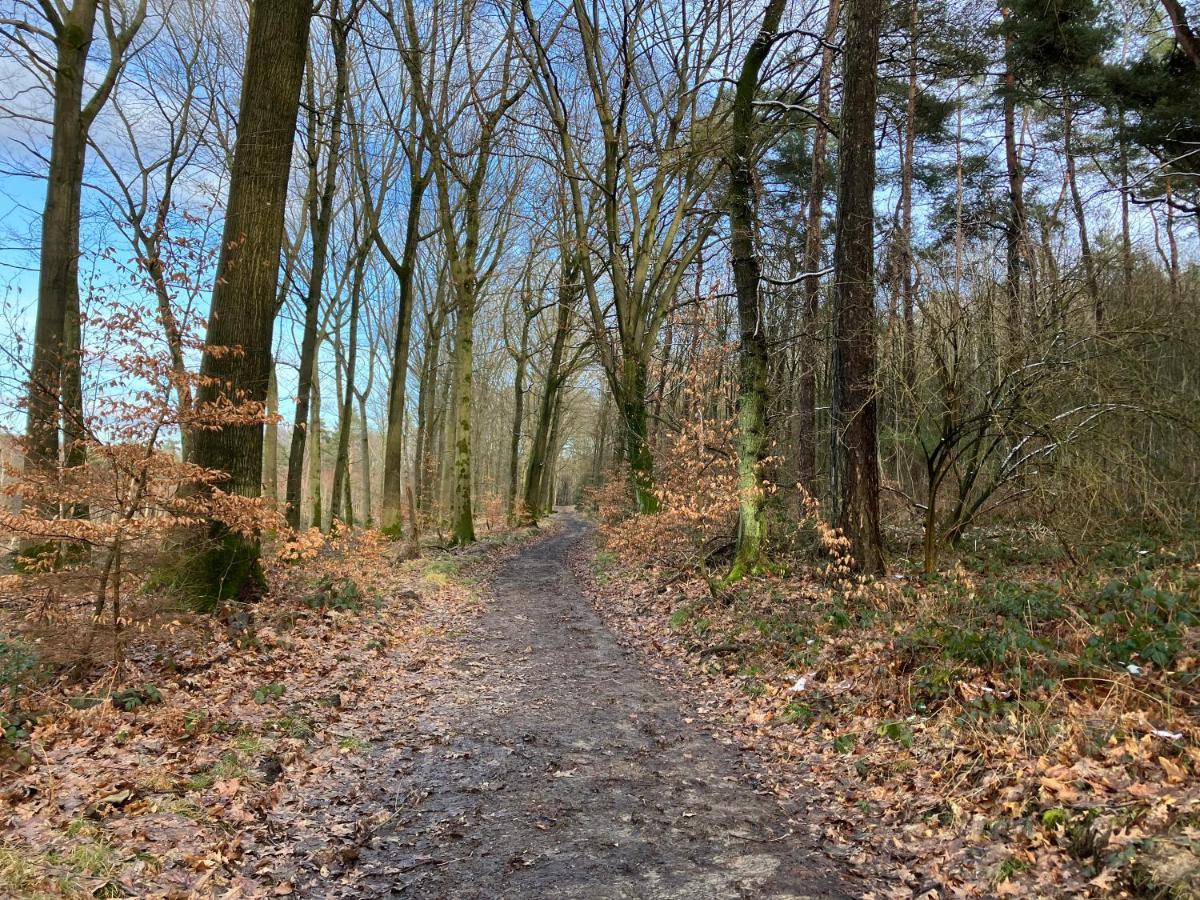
(552, 766)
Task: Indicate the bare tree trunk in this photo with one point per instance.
(427, 414)
(540, 448)
(271, 443)
(855, 451)
(514, 447)
(811, 346)
(462, 526)
(321, 225)
(753, 396)
(1085, 245)
(1126, 239)
(341, 468)
(312, 450)
(1015, 233)
(393, 448)
(243, 304)
(908, 285)
(365, 468)
(58, 275)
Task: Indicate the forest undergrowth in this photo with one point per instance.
(1020, 725)
(166, 776)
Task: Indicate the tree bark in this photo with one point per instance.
(341, 470)
(243, 304)
(312, 450)
(811, 346)
(1015, 235)
(58, 275)
(393, 449)
(750, 554)
(462, 525)
(539, 449)
(514, 446)
(321, 226)
(271, 450)
(1085, 244)
(855, 451)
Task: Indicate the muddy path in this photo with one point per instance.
(552, 766)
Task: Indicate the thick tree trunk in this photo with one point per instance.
(321, 226)
(750, 554)
(243, 304)
(632, 405)
(811, 345)
(855, 451)
(58, 278)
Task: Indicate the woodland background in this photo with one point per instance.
(867, 331)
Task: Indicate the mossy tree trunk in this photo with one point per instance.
(750, 553)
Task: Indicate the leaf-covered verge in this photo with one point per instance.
(189, 773)
(1033, 733)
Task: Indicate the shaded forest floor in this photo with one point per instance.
(494, 722)
(214, 766)
(461, 726)
(1031, 729)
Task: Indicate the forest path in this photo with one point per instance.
(555, 767)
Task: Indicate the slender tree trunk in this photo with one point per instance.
(271, 442)
(539, 449)
(1085, 245)
(855, 451)
(514, 446)
(312, 450)
(908, 287)
(151, 245)
(365, 468)
(321, 226)
(393, 449)
(1172, 242)
(427, 415)
(1015, 239)
(243, 304)
(811, 345)
(341, 469)
(548, 477)
(462, 526)
(1126, 239)
(753, 398)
